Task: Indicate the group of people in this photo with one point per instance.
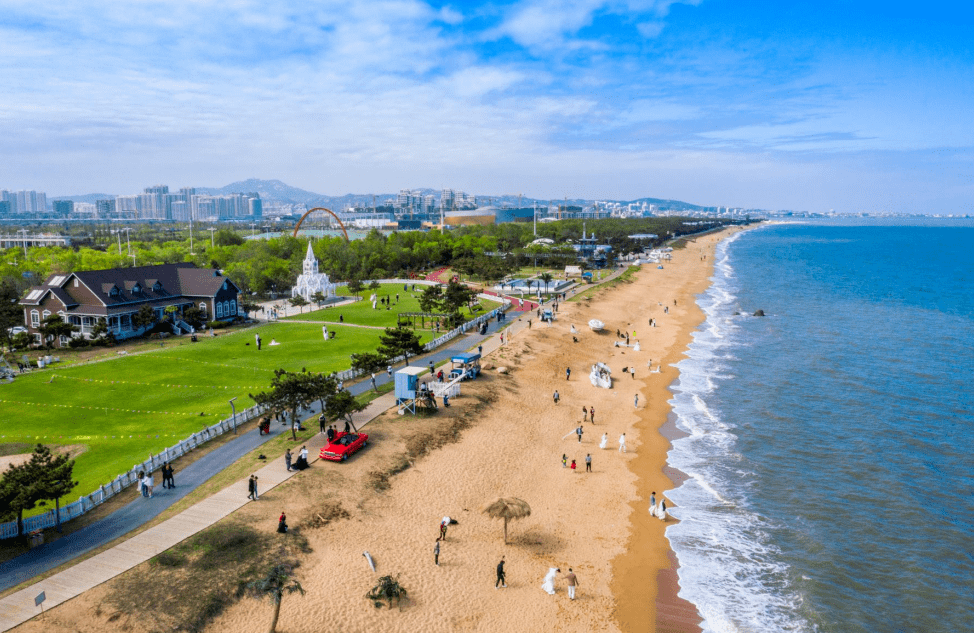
(501, 579)
(588, 462)
(605, 442)
(549, 582)
(147, 481)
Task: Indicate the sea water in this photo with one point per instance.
(829, 447)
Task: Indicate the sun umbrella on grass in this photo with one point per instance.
(507, 508)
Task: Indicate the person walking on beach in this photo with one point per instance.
(564, 460)
(591, 414)
(572, 583)
(573, 466)
(605, 440)
(588, 463)
(622, 443)
(584, 414)
(549, 580)
(568, 373)
(436, 553)
(287, 459)
(579, 432)
(556, 397)
(652, 503)
(635, 401)
(501, 576)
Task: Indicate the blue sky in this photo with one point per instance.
(823, 105)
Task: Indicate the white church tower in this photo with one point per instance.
(311, 281)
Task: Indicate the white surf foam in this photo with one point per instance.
(728, 567)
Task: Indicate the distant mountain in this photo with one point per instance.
(674, 205)
(88, 197)
(277, 191)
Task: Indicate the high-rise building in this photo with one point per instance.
(256, 206)
(30, 202)
(105, 208)
(10, 198)
(4, 208)
(128, 207)
(63, 208)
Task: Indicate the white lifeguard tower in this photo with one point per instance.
(310, 281)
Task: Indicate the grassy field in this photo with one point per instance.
(361, 312)
(129, 407)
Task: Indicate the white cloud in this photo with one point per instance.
(650, 30)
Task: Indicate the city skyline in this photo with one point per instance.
(807, 106)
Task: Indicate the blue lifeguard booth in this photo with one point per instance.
(407, 384)
(465, 365)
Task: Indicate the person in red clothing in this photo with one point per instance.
(573, 465)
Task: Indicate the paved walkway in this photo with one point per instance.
(19, 606)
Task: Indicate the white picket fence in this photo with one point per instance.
(114, 487)
(123, 481)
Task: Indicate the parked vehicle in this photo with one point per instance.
(342, 446)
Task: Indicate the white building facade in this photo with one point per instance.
(310, 281)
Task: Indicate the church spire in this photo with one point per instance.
(310, 261)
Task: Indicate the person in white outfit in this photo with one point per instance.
(605, 440)
(661, 510)
(622, 443)
(549, 581)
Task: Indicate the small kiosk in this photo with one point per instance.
(407, 386)
(465, 365)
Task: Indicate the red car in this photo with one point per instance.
(343, 445)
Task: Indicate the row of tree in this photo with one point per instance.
(290, 392)
(267, 266)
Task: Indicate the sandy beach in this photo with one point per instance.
(510, 436)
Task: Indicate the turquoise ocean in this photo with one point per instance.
(829, 444)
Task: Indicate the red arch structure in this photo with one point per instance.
(310, 211)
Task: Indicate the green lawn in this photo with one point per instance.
(127, 408)
(361, 312)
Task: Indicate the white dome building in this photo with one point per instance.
(311, 281)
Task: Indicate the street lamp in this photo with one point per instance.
(212, 230)
(234, 410)
(252, 229)
(128, 240)
(24, 231)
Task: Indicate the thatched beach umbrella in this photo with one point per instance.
(507, 508)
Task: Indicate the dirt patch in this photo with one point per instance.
(71, 450)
